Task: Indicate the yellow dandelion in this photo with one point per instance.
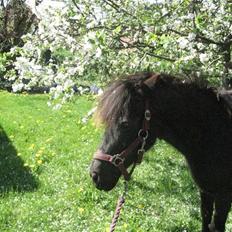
(125, 225)
(38, 154)
(80, 190)
(81, 210)
(32, 146)
(39, 161)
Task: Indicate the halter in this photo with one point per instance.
(118, 159)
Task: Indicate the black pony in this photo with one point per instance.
(195, 120)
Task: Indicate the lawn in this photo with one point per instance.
(45, 184)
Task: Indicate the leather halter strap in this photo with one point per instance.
(118, 159)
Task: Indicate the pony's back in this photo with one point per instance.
(226, 97)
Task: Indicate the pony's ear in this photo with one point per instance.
(151, 81)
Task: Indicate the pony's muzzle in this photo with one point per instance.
(95, 177)
(96, 180)
(100, 177)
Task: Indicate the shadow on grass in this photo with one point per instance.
(184, 193)
(14, 176)
(143, 186)
(172, 180)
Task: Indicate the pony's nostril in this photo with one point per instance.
(95, 177)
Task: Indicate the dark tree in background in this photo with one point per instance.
(16, 19)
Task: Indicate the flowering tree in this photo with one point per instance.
(94, 41)
(193, 37)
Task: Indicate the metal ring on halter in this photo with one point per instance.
(147, 115)
(117, 160)
(140, 151)
(143, 134)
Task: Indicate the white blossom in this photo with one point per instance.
(87, 46)
(183, 42)
(98, 52)
(17, 87)
(203, 57)
(191, 36)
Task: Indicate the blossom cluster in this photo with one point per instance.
(101, 39)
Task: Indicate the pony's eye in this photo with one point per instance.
(124, 124)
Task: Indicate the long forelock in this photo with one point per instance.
(114, 103)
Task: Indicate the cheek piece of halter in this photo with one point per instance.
(118, 159)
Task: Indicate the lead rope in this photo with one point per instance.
(122, 198)
(121, 201)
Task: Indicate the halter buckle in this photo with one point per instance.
(147, 115)
(117, 160)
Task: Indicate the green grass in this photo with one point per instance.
(45, 184)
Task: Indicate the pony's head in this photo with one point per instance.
(122, 110)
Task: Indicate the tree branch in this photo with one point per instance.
(78, 8)
(2, 4)
(199, 37)
(131, 45)
(117, 7)
(161, 57)
(207, 40)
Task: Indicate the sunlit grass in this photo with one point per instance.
(53, 149)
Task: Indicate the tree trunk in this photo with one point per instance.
(227, 79)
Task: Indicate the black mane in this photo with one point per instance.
(118, 97)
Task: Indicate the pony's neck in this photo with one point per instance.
(184, 116)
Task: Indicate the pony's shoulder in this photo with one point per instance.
(225, 96)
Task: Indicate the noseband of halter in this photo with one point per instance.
(118, 159)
